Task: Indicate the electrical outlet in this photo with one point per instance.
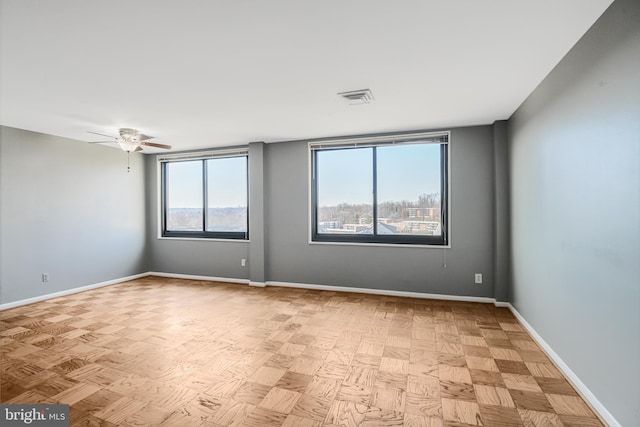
(243, 262)
(45, 277)
(478, 278)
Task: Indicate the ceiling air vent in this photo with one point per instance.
(362, 96)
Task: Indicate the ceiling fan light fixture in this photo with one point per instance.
(128, 146)
(131, 140)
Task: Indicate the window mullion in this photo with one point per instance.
(444, 193)
(205, 195)
(314, 192)
(164, 201)
(375, 192)
(246, 234)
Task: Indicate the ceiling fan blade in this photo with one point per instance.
(143, 137)
(155, 144)
(138, 149)
(102, 142)
(102, 134)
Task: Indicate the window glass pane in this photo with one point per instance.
(227, 194)
(409, 189)
(184, 196)
(345, 198)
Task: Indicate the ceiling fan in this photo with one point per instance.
(131, 140)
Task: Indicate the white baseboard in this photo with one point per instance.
(261, 285)
(596, 405)
(258, 284)
(502, 304)
(27, 301)
(39, 298)
(381, 292)
(334, 288)
(194, 277)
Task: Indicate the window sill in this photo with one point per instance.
(204, 239)
(385, 245)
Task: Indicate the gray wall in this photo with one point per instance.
(257, 232)
(502, 224)
(575, 209)
(184, 256)
(280, 234)
(292, 259)
(69, 209)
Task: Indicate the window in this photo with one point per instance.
(205, 196)
(381, 190)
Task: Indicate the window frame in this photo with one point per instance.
(203, 157)
(383, 141)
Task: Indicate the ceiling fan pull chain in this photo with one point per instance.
(128, 167)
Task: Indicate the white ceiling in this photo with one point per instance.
(206, 73)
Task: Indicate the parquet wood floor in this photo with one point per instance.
(170, 352)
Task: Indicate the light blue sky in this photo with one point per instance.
(404, 173)
(227, 183)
